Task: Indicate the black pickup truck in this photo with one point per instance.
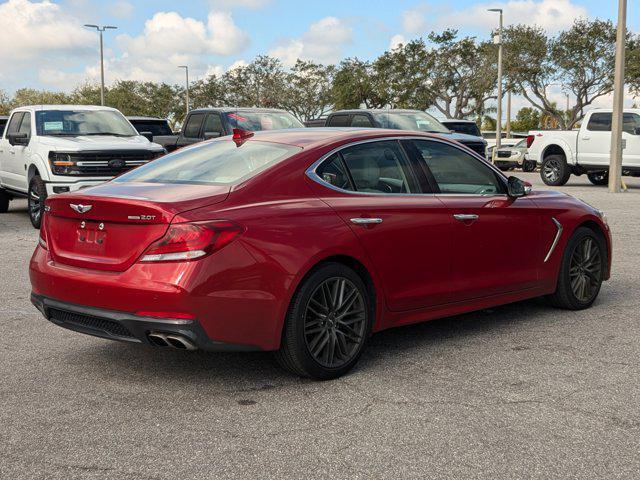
(398, 119)
(153, 125)
(207, 123)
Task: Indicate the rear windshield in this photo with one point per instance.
(464, 127)
(254, 121)
(219, 162)
(155, 127)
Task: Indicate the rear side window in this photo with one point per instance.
(600, 122)
(14, 123)
(192, 128)
(361, 121)
(631, 123)
(213, 124)
(219, 162)
(334, 173)
(455, 171)
(338, 121)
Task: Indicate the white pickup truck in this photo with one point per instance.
(51, 149)
(562, 153)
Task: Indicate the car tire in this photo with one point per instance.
(4, 201)
(580, 278)
(36, 196)
(528, 166)
(320, 339)
(598, 178)
(504, 169)
(555, 171)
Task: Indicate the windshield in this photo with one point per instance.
(410, 121)
(83, 122)
(155, 127)
(219, 162)
(464, 127)
(254, 121)
(521, 144)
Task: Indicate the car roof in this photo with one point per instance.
(315, 137)
(38, 108)
(453, 120)
(237, 109)
(147, 118)
(378, 110)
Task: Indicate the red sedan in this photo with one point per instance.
(305, 242)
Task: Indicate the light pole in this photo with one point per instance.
(101, 29)
(498, 40)
(615, 167)
(186, 72)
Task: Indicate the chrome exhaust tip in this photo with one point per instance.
(172, 340)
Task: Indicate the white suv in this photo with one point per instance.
(49, 149)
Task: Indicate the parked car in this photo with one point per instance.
(508, 158)
(151, 126)
(207, 123)
(397, 119)
(563, 153)
(468, 127)
(305, 241)
(3, 122)
(48, 149)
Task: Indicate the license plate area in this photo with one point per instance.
(91, 236)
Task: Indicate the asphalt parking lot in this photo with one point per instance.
(521, 391)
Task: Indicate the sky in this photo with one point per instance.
(44, 45)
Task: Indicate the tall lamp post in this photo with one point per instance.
(615, 167)
(186, 72)
(101, 30)
(498, 40)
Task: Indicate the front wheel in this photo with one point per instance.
(36, 196)
(555, 171)
(598, 178)
(327, 325)
(528, 166)
(581, 272)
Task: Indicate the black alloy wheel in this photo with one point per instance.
(37, 194)
(585, 270)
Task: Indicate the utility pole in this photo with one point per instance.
(498, 40)
(101, 30)
(186, 72)
(615, 167)
(508, 121)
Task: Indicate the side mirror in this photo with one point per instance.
(210, 135)
(516, 187)
(18, 139)
(147, 135)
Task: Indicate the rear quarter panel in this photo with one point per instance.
(543, 139)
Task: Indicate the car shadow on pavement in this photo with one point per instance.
(156, 365)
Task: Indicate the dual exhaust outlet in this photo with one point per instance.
(172, 340)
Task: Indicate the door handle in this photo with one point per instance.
(465, 217)
(366, 221)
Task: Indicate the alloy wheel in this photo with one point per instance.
(335, 322)
(551, 170)
(35, 203)
(585, 270)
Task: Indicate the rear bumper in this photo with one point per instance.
(126, 327)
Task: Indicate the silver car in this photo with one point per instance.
(508, 158)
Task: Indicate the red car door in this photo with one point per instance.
(405, 233)
(495, 240)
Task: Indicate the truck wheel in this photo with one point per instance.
(555, 171)
(504, 169)
(36, 196)
(528, 166)
(598, 178)
(4, 201)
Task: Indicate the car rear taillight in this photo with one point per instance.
(42, 239)
(189, 241)
(530, 139)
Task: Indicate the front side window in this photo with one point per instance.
(256, 121)
(192, 128)
(25, 125)
(361, 121)
(455, 171)
(338, 121)
(378, 167)
(213, 124)
(83, 122)
(631, 123)
(14, 123)
(219, 162)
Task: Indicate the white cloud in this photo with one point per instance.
(552, 15)
(397, 40)
(322, 42)
(232, 4)
(34, 29)
(122, 9)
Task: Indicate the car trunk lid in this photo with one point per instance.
(108, 227)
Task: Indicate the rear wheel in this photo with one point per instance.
(528, 166)
(581, 272)
(327, 324)
(504, 169)
(4, 201)
(36, 196)
(555, 171)
(598, 178)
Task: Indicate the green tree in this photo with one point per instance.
(259, 84)
(31, 96)
(353, 85)
(308, 90)
(527, 118)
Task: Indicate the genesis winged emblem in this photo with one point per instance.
(80, 208)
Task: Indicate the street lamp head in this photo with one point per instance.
(183, 66)
(499, 10)
(91, 26)
(110, 27)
